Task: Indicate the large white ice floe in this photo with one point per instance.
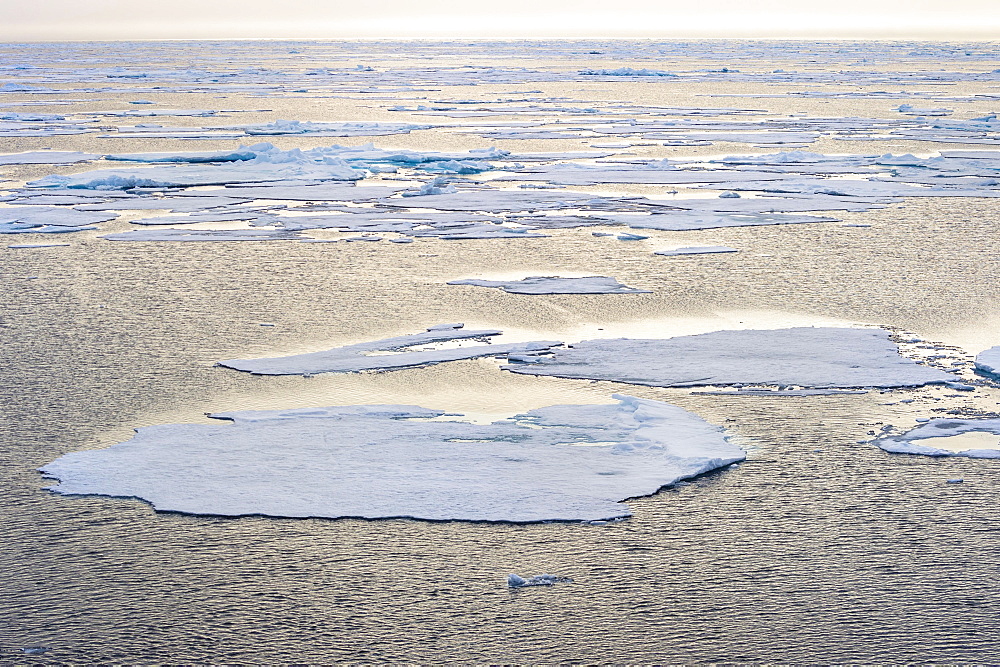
(972, 438)
(558, 463)
(555, 285)
(822, 357)
(366, 356)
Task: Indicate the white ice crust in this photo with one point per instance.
(359, 357)
(805, 357)
(563, 462)
(556, 285)
(988, 361)
(909, 442)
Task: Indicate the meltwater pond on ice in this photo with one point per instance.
(562, 462)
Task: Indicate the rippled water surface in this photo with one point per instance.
(818, 549)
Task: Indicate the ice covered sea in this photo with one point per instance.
(820, 547)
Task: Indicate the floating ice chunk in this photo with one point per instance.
(631, 237)
(260, 169)
(972, 438)
(47, 157)
(626, 71)
(803, 357)
(385, 461)
(691, 220)
(556, 285)
(911, 110)
(186, 157)
(495, 200)
(205, 235)
(439, 186)
(365, 357)
(37, 245)
(988, 362)
(326, 129)
(48, 219)
(573, 174)
(517, 581)
(696, 250)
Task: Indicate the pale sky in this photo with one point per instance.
(180, 19)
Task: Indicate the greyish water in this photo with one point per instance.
(818, 549)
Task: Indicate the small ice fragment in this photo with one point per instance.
(266, 324)
(959, 386)
(555, 285)
(696, 250)
(631, 237)
(922, 419)
(516, 581)
(447, 327)
(957, 480)
(730, 195)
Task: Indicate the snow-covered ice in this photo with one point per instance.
(555, 285)
(365, 357)
(988, 361)
(972, 438)
(821, 357)
(562, 462)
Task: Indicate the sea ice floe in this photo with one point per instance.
(972, 438)
(205, 235)
(366, 356)
(517, 581)
(48, 219)
(821, 357)
(556, 285)
(47, 157)
(260, 169)
(327, 129)
(558, 463)
(697, 250)
(988, 361)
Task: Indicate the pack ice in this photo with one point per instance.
(822, 357)
(556, 285)
(558, 463)
(373, 355)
